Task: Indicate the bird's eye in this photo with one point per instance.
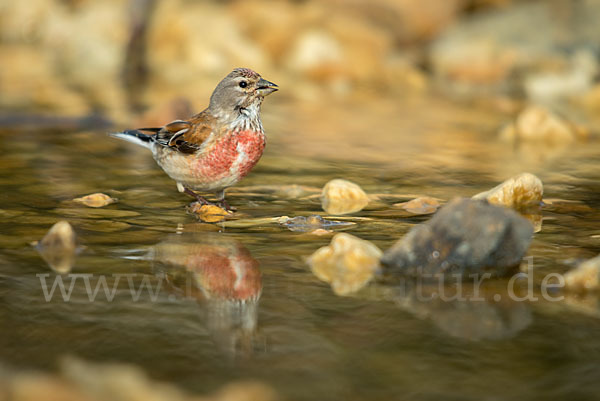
(243, 84)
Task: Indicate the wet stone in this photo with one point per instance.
(517, 192)
(343, 197)
(208, 213)
(465, 237)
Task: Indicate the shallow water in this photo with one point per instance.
(234, 303)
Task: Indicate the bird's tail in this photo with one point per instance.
(134, 136)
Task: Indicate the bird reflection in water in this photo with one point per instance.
(220, 273)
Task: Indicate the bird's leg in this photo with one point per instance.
(222, 202)
(199, 198)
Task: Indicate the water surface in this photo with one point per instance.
(241, 302)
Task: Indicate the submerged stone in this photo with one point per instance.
(465, 237)
(519, 191)
(343, 197)
(312, 223)
(95, 200)
(58, 247)
(348, 263)
(420, 206)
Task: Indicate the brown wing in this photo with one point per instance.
(185, 136)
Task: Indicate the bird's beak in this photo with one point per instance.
(266, 87)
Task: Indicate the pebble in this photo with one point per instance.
(420, 206)
(519, 191)
(208, 213)
(343, 197)
(96, 200)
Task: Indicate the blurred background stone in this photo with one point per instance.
(64, 56)
(538, 124)
(122, 58)
(85, 381)
(544, 49)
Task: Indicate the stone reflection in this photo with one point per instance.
(534, 215)
(465, 310)
(59, 247)
(220, 273)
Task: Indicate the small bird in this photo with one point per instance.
(217, 147)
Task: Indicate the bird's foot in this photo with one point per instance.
(201, 199)
(224, 205)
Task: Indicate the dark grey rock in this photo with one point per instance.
(465, 237)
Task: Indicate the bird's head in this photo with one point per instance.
(240, 92)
